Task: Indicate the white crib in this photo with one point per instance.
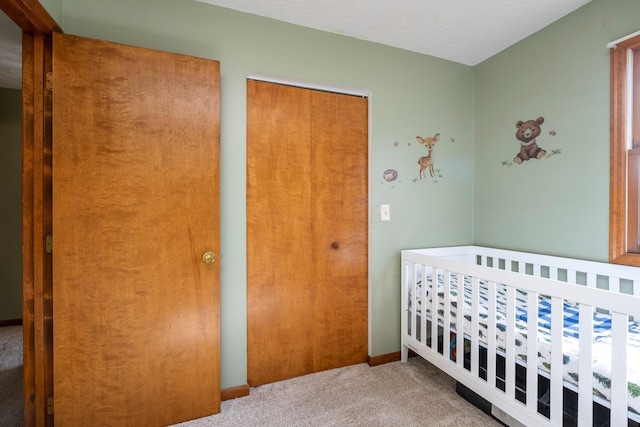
(568, 319)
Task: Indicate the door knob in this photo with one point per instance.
(208, 257)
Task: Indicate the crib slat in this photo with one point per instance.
(460, 322)
(510, 342)
(553, 273)
(557, 307)
(619, 333)
(592, 280)
(423, 298)
(446, 330)
(475, 328)
(434, 309)
(491, 334)
(614, 284)
(585, 366)
(414, 298)
(572, 276)
(532, 351)
(406, 279)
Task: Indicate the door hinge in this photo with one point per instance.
(49, 82)
(50, 405)
(48, 244)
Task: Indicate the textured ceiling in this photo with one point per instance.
(464, 31)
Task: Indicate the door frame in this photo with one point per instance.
(37, 26)
(344, 91)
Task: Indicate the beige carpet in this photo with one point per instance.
(11, 409)
(394, 394)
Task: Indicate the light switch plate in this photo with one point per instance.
(385, 213)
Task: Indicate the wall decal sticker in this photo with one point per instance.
(390, 175)
(554, 152)
(527, 134)
(427, 170)
(426, 162)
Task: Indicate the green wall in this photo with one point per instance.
(559, 204)
(556, 205)
(412, 95)
(10, 204)
(54, 8)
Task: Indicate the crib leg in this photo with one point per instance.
(404, 353)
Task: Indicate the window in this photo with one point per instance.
(624, 198)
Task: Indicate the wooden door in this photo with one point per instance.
(307, 225)
(135, 206)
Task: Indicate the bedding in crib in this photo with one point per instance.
(602, 352)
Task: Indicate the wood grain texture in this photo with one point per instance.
(234, 392)
(136, 204)
(280, 289)
(339, 215)
(387, 358)
(383, 359)
(36, 206)
(28, 221)
(307, 225)
(618, 155)
(31, 16)
(633, 160)
(635, 95)
(47, 228)
(37, 26)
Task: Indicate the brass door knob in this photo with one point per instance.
(208, 257)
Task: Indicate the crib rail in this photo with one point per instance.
(593, 286)
(614, 277)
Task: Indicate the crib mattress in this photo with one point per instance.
(602, 351)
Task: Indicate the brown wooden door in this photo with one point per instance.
(307, 225)
(135, 206)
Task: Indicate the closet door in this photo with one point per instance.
(306, 231)
(339, 226)
(135, 207)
